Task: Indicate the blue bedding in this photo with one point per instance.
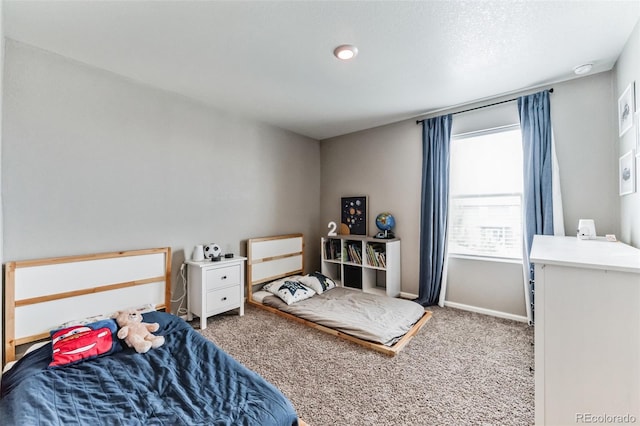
(187, 381)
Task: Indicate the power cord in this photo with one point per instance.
(181, 311)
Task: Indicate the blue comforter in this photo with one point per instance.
(188, 381)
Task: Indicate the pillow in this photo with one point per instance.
(77, 343)
(291, 291)
(318, 282)
(278, 283)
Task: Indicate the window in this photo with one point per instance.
(485, 208)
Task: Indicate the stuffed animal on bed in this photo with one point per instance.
(137, 334)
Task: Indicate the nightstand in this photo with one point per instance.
(214, 288)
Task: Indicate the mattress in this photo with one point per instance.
(372, 317)
(187, 381)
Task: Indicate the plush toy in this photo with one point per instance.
(137, 334)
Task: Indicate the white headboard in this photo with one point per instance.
(41, 294)
(270, 258)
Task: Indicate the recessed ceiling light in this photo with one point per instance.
(345, 52)
(582, 69)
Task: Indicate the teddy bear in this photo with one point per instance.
(137, 334)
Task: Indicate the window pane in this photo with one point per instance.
(487, 164)
(486, 226)
(485, 216)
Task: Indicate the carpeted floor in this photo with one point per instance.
(460, 369)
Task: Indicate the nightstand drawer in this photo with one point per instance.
(218, 300)
(223, 277)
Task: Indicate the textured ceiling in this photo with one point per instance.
(272, 60)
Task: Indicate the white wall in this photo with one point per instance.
(94, 162)
(385, 164)
(583, 125)
(491, 286)
(627, 70)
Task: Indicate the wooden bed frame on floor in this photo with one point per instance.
(44, 293)
(271, 258)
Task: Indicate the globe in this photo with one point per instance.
(385, 223)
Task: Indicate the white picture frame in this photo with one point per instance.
(626, 109)
(627, 173)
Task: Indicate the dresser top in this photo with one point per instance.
(594, 254)
(223, 261)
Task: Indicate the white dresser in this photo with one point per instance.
(587, 331)
(214, 287)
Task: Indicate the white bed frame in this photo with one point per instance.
(270, 258)
(42, 294)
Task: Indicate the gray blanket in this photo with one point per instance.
(371, 317)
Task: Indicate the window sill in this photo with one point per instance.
(486, 258)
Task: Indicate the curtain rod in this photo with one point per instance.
(480, 107)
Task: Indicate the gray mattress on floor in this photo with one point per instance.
(372, 317)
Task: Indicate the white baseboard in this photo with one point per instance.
(484, 311)
(409, 296)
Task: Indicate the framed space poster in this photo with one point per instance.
(353, 216)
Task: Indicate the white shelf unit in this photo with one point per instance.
(368, 264)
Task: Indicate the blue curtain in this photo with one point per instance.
(535, 122)
(436, 133)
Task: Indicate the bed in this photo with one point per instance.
(381, 323)
(188, 380)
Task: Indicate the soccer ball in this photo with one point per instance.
(211, 251)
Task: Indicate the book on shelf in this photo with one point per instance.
(354, 254)
(376, 256)
(331, 249)
(382, 260)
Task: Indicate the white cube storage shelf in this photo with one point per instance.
(365, 263)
